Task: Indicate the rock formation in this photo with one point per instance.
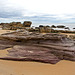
(27, 23)
(60, 26)
(67, 28)
(44, 29)
(46, 48)
(15, 25)
(72, 37)
(11, 26)
(73, 28)
(53, 26)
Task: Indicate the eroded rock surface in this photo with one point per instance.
(47, 48)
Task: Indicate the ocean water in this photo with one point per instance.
(70, 25)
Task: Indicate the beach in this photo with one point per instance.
(6, 31)
(8, 67)
(34, 68)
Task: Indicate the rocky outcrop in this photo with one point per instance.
(11, 26)
(15, 25)
(72, 37)
(44, 29)
(46, 48)
(53, 26)
(67, 28)
(60, 26)
(27, 23)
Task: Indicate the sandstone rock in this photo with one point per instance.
(60, 26)
(67, 28)
(46, 48)
(72, 37)
(73, 28)
(53, 26)
(44, 29)
(41, 26)
(27, 23)
(11, 26)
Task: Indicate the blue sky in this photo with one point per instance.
(37, 11)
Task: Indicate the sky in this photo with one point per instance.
(38, 11)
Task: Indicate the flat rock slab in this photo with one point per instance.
(47, 48)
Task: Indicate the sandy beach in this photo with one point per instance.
(34, 68)
(68, 34)
(5, 31)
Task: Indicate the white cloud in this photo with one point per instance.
(37, 10)
(45, 6)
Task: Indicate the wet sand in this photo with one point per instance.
(34, 68)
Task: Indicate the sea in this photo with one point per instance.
(70, 25)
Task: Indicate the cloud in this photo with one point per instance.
(39, 18)
(37, 11)
(10, 14)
